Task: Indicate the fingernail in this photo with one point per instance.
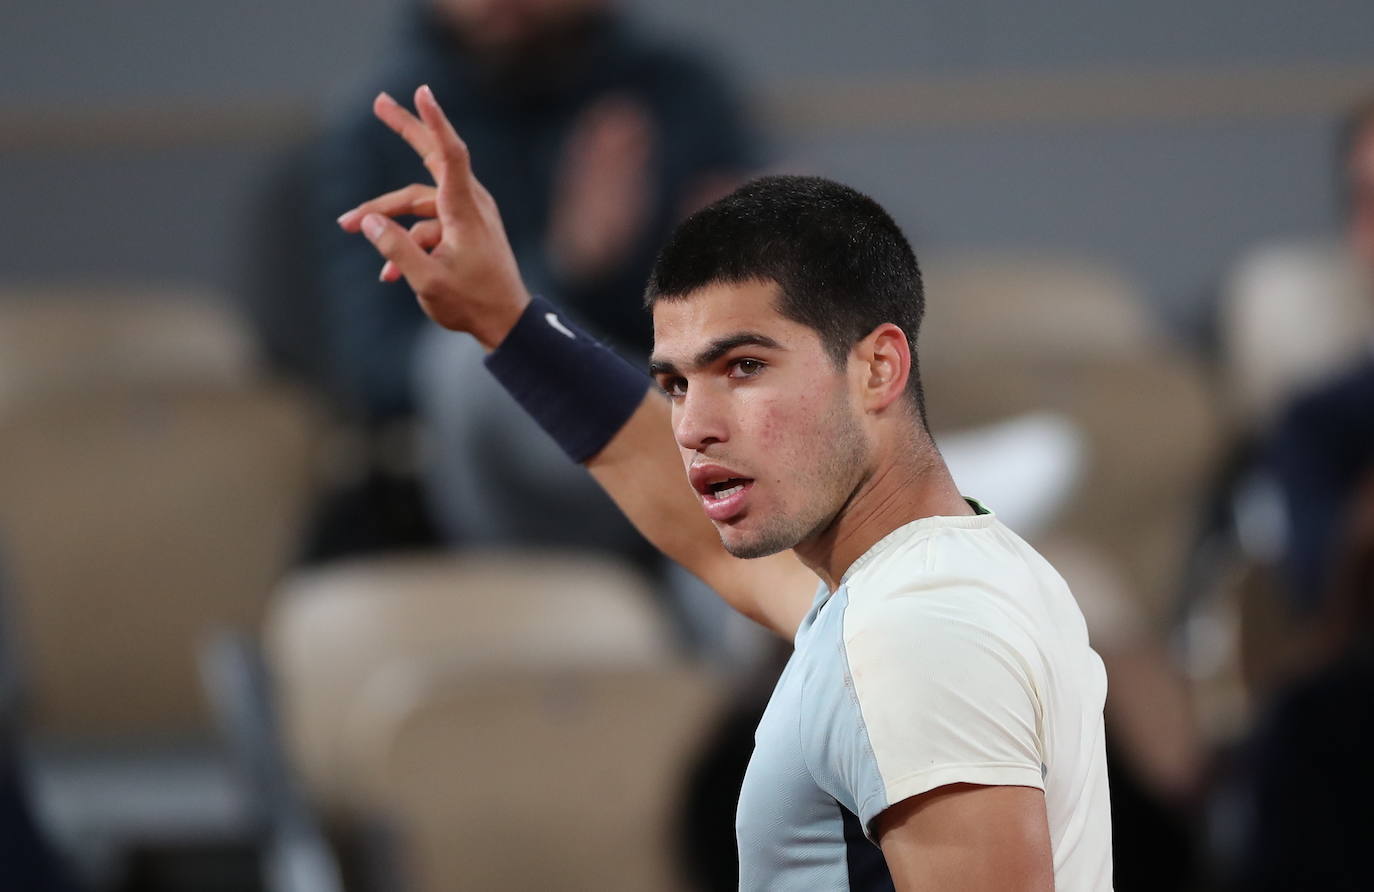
(429, 94)
(373, 226)
(386, 97)
(347, 217)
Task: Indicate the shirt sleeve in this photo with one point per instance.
(945, 696)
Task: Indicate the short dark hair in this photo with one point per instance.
(841, 263)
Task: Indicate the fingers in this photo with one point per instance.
(446, 138)
(426, 234)
(453, 172)
(406, 125)
(445, 155)
(457, 199)
(417, 199)
(400, 250)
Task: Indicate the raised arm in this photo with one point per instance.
(464, 275)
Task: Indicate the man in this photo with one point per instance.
(1311, 738)
(1324, 442)
(942, 699)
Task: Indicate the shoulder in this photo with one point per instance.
(947, 585)
(947, 644)
(949, 618)
(946, 690)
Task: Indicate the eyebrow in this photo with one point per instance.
(715, 350)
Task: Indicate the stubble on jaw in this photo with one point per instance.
(831, 486)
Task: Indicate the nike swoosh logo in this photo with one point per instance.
(558, 326)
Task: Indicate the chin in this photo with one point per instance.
(748, 546)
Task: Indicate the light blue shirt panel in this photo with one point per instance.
(811, 752)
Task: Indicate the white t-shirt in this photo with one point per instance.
(952, 652)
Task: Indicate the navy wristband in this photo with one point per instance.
(579, 391)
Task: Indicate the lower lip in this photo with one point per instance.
(721, 510)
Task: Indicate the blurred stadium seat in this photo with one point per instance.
(155, 487)
(536, 780)
(58, 338)
(336, 634)
(133, 524)
(1021, 334)
(999, 305)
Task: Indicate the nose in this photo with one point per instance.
(699, 419)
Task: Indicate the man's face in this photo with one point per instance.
(769, 435)
(1361, 180)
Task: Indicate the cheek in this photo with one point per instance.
(785, 434)
(773, 423)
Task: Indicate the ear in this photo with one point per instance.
(885, 365)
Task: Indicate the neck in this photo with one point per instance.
(894, 494)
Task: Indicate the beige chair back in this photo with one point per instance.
(568, 780)
(133, 523)
(1009, 335)
(998, 306)
(1152, 438)
(334, 631)
(57, 339)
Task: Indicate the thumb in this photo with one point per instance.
(397, 246)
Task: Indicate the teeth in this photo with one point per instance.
(726, 493)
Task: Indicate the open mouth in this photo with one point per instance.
(724, 489)
(723, 492)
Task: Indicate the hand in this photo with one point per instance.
(458, 262)
(602, 190)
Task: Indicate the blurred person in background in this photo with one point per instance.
(1324, 442)
(1298, 789)
(1308, 777)
(595, 138)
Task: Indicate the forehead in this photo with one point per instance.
(685, 325)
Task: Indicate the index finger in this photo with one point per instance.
(457, 179)
(406, 125)
(439, 127)
(416, 199)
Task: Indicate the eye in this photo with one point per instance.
(745, 368)
(674, 387)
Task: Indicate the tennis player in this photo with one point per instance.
(942, 701)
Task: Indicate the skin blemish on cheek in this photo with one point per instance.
(769, 421)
